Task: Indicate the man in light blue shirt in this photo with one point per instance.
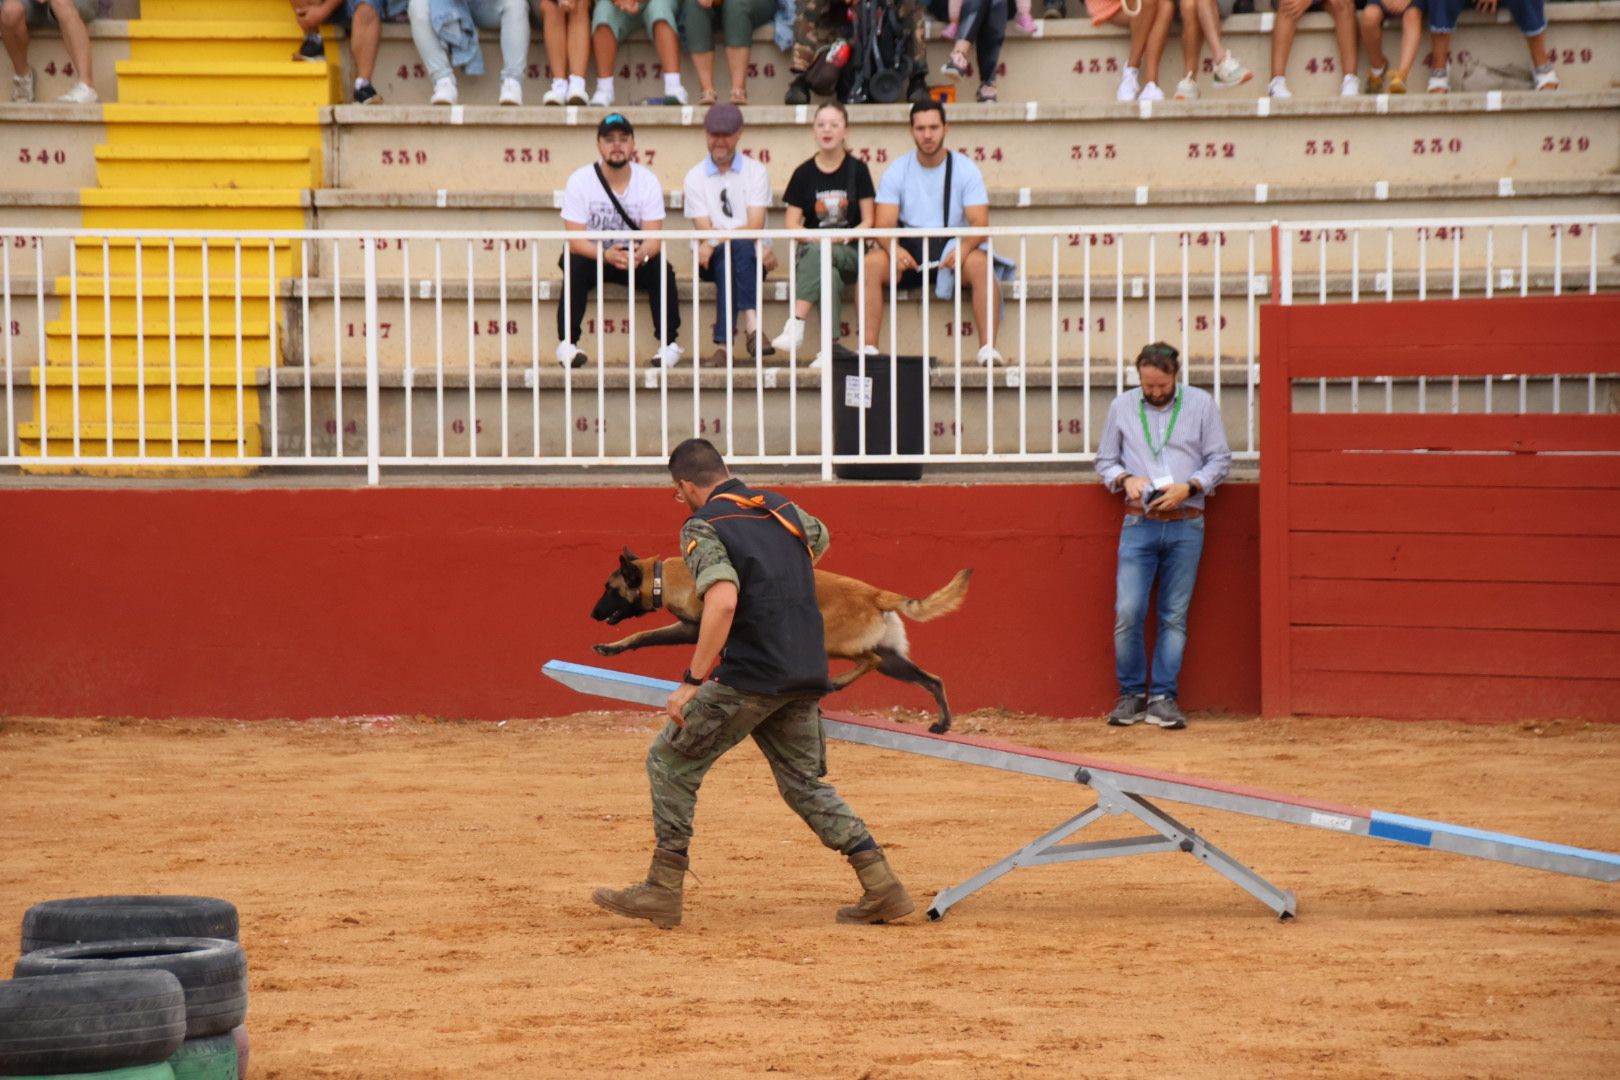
(914, 192)
(1164, 449)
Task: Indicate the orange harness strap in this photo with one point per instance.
(758, 503)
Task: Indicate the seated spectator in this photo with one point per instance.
(611, 20)
(69, 17)
(363, 18)
(1531, 15)
(831, 190)
(1024, 22)
(1344, 33)
(914, 191)
(1202, 19)
(1410, 14)
(818, 24)
(728, 190)
(446, 34)
(984, 25)
(615, 194)
(740, 18)
(1150, 29)
(567, 31)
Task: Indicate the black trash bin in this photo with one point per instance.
(850, 411)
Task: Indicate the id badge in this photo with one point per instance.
(1161, 482)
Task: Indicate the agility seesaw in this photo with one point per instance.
(1126, 789)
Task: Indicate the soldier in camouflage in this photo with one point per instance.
(750, 554)
(818, 23)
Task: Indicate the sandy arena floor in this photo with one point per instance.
(414, 903)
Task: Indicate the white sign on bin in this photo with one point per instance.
(857, 392)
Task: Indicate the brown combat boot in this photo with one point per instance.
(658, 899)
(885, 899)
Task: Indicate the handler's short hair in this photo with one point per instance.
(698, 461)
(1161, 356)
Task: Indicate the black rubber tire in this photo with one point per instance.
(124, 918)
(91, 1021)
(212, 971)
(213, 1058)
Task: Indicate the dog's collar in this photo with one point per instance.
(658, 585)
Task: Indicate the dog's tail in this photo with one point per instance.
(940, 602)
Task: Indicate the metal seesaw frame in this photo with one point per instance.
(1127, 789)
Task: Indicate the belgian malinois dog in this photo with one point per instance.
(862, 621)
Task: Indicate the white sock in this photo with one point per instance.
(560, 86)
(358, 83)
(672, 82)
(576, 84)
(605, 86)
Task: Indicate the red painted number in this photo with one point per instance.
(1097, 239)
(1568, 230)
(1324, 236)
(962, 329)
(1097, 66)
(383, 330)
(609, 326)
(769, 70)
(1321, 65)
(979, 153)
(1212, 150)
(1078, 326)
(1327, 147)
(1093, 151)
(66, 70)
(350, 427)
(404, 157)
(411, 71)
(1437, 146)
(762, 155)
(492, 327)
(1204, 239)
(460, 427)
(520, 244)
(1200, 322)
(525, 155)
(41, 157)
(1565, 144)
(589, 423)
(641, 71)
(866, 153)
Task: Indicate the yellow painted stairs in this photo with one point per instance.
(216, 127)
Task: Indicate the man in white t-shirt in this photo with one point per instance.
(728, 190)
(616, 194)
(919, 191)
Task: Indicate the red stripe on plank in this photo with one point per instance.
(1483, 511)
(1469, 698)
(1431, 557)
(1546, 654)
(1431, 470)
(1102, 766)
(1485, 605)
(1519, 433)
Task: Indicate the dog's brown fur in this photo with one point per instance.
(862, 622)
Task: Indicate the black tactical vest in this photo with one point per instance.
(777, 643)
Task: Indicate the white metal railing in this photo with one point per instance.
(246, 347)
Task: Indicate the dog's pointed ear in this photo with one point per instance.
(627, 559)
(629, 569)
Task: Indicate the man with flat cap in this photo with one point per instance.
(728, 191)
(616, 194)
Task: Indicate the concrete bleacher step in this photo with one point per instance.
(162, 167)
(171, 82)
(1412, 139)
(1070, 60)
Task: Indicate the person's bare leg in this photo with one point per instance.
(737, 59)
(1192, 43)
(606, 48)
(1282, 36)
(976, 277)
(668, 45)
(1343, 13)
(75, 38)
(1372, 37)
(365, 35)
(1538, 49)
(14, 31)
(704, 62)
(877, 282)
(1209, 21)
(1164, 13)
(579, 41)
(1411, 38)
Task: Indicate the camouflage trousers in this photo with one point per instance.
(822, 22)
(787, 731)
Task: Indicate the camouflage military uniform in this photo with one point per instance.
(786, 728)
(821, 22)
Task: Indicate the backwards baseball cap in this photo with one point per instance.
(614, 122)
(723, 119)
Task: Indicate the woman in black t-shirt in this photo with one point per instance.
(832, 190)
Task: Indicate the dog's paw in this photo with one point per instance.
(939, 727)
(606, 650)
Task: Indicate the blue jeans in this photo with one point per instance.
(1169, 551)
(510, 16)
(739, 254)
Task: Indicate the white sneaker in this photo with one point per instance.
(1440, 80)
(1278, 88)
(1151, 92)
(1129, 87)
(558, 94)
(576, 96)
(677, 96)
(81, 94)
(444, 91)
(1545, 78)
(668, 356)
(511, 92)
(570, 355)
(1187, 89)
(22, 87)
(1349, 86)
(791, 337)
(869, 350)
(989, 357)
(1230, 73)
(818, 363)
(603, 98)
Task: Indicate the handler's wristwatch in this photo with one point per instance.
(689, 679)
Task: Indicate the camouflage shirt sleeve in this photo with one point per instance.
(815, 533)
(705, 555)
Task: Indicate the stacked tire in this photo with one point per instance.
(127, 988)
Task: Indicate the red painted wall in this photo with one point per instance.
(275, 603)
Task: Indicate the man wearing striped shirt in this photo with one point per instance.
(1164, 450)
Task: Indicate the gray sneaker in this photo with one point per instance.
(1128, 710)
(1163, 712)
